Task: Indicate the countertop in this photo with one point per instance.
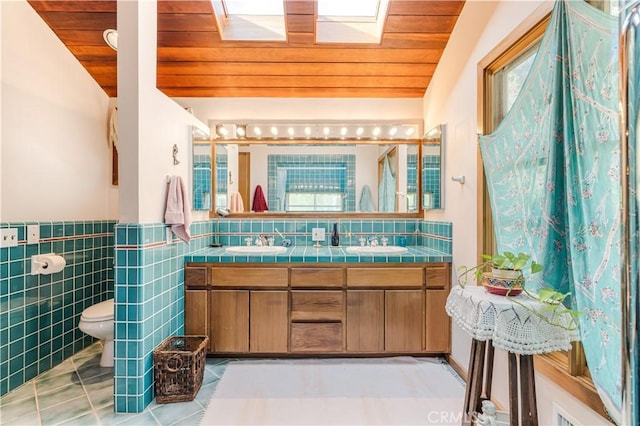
(326, 254)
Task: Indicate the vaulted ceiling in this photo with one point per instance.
(193, 60)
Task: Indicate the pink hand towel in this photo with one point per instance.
(259, 202)
(236, 204)
(178, 209)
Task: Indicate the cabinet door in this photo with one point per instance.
(268, 321)
(229, 320)
(438, 323)
(365, 320)
(404, 320)
(196, 313)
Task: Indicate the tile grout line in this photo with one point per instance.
(35, 397)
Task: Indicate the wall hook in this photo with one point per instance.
(459, 179)
(230, 179)
(175, 155)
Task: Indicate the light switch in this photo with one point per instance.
(33, 234)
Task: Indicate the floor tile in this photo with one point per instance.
(19, 409)
(168, 414)
(25, 391)
(194, 419)
(69, 408)
(88, 419)
(60, 395)
(53, 383)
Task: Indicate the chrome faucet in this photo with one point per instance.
(261, 241)
(247, 241)
(373, 241)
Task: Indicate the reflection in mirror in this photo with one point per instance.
(201, 170)
(328, 177)
(222, 175)
(432, 146)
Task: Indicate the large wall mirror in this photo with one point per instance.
(431, 168)
(330, 177)
(202, 169)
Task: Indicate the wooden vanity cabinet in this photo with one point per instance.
(369, 309)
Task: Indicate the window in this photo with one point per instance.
(261, 20)
(503, 73)
(314, 201)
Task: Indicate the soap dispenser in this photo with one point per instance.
(335, 237)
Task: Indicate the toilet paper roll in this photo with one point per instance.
(47, 264)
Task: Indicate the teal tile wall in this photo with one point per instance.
(39, 314)
(435, 235)
(149, 304)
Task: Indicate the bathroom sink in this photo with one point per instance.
(376, 249)
(256, 249)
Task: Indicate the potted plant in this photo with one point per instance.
(505, 266)
(503, 274)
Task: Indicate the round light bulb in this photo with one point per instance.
(359, 131)
(307, 131)
(257, 131)
(376, 131)
(410, 131)
(274, 131)
(393, 131)
(291, 131)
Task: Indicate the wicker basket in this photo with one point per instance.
(179, 368)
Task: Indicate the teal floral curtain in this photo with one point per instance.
(553, 173)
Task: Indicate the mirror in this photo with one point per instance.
(327, 177)
(431, 168)
(201, 160)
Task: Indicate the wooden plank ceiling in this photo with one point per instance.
(193, 61)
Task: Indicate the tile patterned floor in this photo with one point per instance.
(80, 392)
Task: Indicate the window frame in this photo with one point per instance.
(566, 369)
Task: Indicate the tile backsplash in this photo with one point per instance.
(39, 314)
(435, 235)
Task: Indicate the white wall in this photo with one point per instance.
(452, 99)
(56, 164)
(150, 123)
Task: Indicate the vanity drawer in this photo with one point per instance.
(317, 277)
(316, 337)
(249, 277)
(385, 277)
(317, 305)
(438, 275)
(196, 276)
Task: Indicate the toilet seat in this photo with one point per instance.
(99, 312)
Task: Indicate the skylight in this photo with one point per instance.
(258, 20)
(254, 7)
(342, 9)
(350, 21)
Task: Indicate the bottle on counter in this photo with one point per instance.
(335, 237)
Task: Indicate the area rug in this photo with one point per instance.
(381, 391)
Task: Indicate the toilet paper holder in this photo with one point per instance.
(47, 263)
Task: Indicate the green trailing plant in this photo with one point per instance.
(505, 261)
(553, 300)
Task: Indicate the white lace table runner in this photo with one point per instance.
(517, 326)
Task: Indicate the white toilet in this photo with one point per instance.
(97, 321)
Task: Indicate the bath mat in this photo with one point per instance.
(380, 391)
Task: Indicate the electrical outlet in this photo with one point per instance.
(317, 234)
(8, 237)
(33, 234)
